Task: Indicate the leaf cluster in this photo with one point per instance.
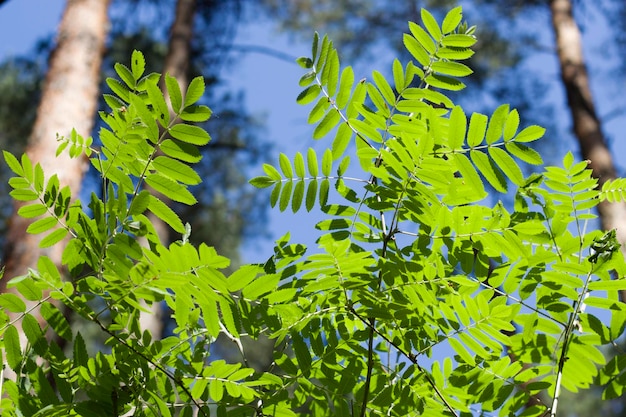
(425, 297)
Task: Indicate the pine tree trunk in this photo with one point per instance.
(69, 100)
(177, 65)
(587, 125)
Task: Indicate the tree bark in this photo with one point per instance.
(69, 100)
(177, 65)
(587, 125)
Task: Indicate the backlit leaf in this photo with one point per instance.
(190, 134)
(195, 90)
(327, 124)
(12, 347)
(173, 90)
(170, 189)
(507, 165)
(163, 212)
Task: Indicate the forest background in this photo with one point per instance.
(255, 79)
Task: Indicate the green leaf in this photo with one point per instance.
(307, 79)
(170, 189)
(345, 88)
(261, 182)
(173, 90)
(311, 159)
(176, 170)
(507, 165)
(444, 82)
(496, 123)
(198, 388)
(330, 73)
(261, 286)
(119, 89)
(80, 355)
(56, 320)
(113, 102)
(125, 75)
(423, 38)
(275, 193)
(179, 150)
(309, 94)
(140, 203)
(452, 20)
(398, 76)
(285, 195)
(315, 44)
(305, 62)
(32, 210)
(529, 134)
(319, 110)
(603, 303)
(524, 153)
(311, 194)
(469, 174)
(163, 212)
(137, 64)
(243, 276)
(285, 165)
(343, 166)
(12, 303)
(33, 333)
(197, 114)
(158, 104)
(431, 24)
(327, 163)
(13, 163)
(477, 128)
(194, 135)
(463, 353)
(327, 124)
(458, 40)
(41, 225)
(511, 125)
(607, 285)
(12, 347)
(29, 290)
(320, 59)
(417, 50)
(324, 188)
(195, 90)
(302, 353)
(454, 69)
(216, 390)
(298, 196)
(458, 126)
(491, 173)
(342, 140)
(273, 172)
(384, 87)
(53, 238)
(24, 195)
(299, 165)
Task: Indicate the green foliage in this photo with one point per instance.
(427, 295)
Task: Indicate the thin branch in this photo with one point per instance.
(158, 366)
(410, 357)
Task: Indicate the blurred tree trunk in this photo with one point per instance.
(587, 125)
(69, 100)
(177, 65)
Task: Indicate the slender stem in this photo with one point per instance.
(409, 356)
(567, 338)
